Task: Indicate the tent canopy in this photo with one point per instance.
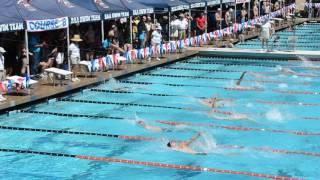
(14, 12)
(76, 13)
(109, 10)
(172, 5)
(196, 3)
(136, 8)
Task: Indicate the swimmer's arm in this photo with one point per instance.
(194, 138)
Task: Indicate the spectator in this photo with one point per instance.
(218, 18)
(90, 39)
(183, 26)
(255, 11)
(174, 26)
(228, 17)
(164, 22)
(2, 70)
(149, 25)
(135, 27)
(110, 45)
(156, 40)
(74, 50)
(35, 49)
(201, 24)
(142, 32)
(265, 33)
(243, 15)
(23, 60)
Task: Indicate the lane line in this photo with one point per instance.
(150, 164)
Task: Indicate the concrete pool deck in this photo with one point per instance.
(44, 91)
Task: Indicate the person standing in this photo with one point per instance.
(218, 18)
(35, 49)
(183, 26)
(201, 24)
(228, 17)
(90, 39)
(174, 27)
(74, 51)
(142, 32)
(2, 69)
(156, 41)
(265, 33)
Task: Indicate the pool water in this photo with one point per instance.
(281, 138)
(307, 38)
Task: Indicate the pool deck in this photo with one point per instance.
(44, 90)
(257, 53)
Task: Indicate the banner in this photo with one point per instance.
(83, 19)
(47, 24)
(11, 27)
(179, 8)
(115, 15)
(242, 1)
(138, 12)
(212, 3)
(198, 5)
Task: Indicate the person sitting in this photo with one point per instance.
(185, 146)
(109, 45)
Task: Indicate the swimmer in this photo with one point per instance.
(233, 116)
(179, 128)
(150, 127)
(215, 102)
(184, 146)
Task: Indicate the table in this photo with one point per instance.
(55, 72)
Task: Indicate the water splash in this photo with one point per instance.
(274, 115)
(283, 85)
(207, 144)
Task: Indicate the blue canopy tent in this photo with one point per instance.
(14, 13)
(135, 9)
(108, 10)
(164, 5)
(76, 14)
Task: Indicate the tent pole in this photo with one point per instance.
(169, 30)
(235, 12)
(68, 44)
(249, 9)
(206, 11)
(189, 34)
(154, 18)
(131, 31)
(102, 30)
(221, 14)
(27, 49)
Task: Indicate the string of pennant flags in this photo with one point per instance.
(110, 61)
(310, 5)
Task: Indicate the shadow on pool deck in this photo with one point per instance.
(43, 91)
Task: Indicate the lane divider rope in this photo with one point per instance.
(296, 92)
(239, 128)
(151, 164)
(76, 133)
(191, 85)
(287, 103)
(183, 76)
(228, 64)
(141, 138)
(132, 92)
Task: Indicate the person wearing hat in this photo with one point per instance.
(156, 39)
(218, 18)
(2, 70)
(74, 50)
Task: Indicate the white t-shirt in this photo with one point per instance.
(175, 24)
(74, 51)
(183, 24)
(1, 62)
(266, 27)
(156, 37)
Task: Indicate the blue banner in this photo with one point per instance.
(48, 24)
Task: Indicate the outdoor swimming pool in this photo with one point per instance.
(62, 138)
(307, 39)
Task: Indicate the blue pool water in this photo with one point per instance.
(186, 82)
(307, 39)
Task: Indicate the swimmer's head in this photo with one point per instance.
(171, 144)
(142, 123)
